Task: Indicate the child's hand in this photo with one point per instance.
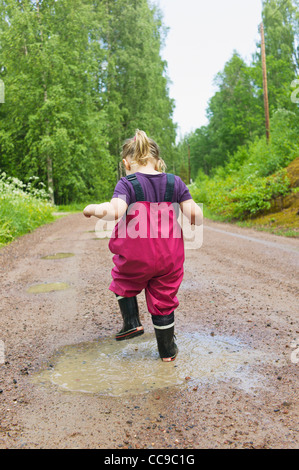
(107, 210)
(88, 211)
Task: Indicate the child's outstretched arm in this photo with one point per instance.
(192, 211)
(112, 210)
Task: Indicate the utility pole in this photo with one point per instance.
(265, 84)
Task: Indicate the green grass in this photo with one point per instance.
(22, 209)
(208, 214)
(22, 215)
(25, 206)
(282, 231)
(75, 207)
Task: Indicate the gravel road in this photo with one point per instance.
(240, 286)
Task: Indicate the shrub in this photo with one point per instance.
(23, 207)
(252, 176)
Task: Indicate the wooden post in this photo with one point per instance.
(189, 166)
(265, 84)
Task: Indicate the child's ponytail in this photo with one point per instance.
(160, 165)
(155, 153)
(142, 147)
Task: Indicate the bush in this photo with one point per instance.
(23, 207)
(254, 175)
(233, 199)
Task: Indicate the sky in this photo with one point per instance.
(202, 37)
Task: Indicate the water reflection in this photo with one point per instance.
(108, 367)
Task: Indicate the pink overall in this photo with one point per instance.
(148, 250)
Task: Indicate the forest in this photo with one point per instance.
(78, 77)
(236, 112)
(235, 169)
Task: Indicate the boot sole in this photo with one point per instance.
(129, 334)
(169, 359)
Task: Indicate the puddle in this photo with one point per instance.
(47, 287)
(108, 367)
(58, 256)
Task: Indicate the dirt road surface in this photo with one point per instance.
(241, 284)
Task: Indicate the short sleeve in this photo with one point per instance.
(183, 193)
(123, 190)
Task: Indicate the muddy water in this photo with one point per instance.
(108, 367)
(47, 287)
(58, 256)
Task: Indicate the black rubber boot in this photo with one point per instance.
(164, 331)
(167, 348)
(130, 313)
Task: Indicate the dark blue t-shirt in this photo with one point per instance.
(154, 187)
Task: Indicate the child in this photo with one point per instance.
(144, 257)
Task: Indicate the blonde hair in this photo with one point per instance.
(141, 148)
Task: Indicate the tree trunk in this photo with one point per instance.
(48, 157)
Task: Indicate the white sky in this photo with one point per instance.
(202, 37)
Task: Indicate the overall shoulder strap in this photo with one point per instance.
(137, 187)
(169, 187)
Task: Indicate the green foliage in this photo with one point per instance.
(232, 200)
(75, 207)
(137, 87)
(236, 111)
(280, 19)
(253, 175)
(23, 207)
(79, 77)
(236, 171)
